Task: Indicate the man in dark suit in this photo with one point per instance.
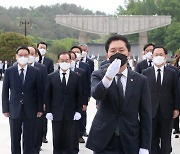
(148, 61)
(122, 124)
(39, 121)
(5, 66)
(163, 86)
(22, 101)
(42, 46)
(85, 59)
(79, 64)
(64, 99)
(82, 75)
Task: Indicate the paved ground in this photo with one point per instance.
(47, 148)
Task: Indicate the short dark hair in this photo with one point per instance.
(22, 48)
(64, 53)
(148, 44)
(160, 46)
(75, 46)
(42, 43)
(72, 53)
(116, 38)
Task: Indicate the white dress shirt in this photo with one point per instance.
(66, 75)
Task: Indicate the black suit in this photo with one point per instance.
(24, 103)
(63, 104)
(133, 118)
(91, 63)
(141, 66)
(163, 101)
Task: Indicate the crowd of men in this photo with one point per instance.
(135, 109)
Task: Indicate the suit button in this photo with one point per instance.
(22, 93)
(21, 101)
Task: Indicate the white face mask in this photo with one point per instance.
(37, 59)
(31, 59)
(64, 66)
(73, 63)
(84, 54)
(159, 60)
(78, 56)
(22, 60)
(42, 51)
(149, 55)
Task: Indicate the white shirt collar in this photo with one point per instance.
(67, 72)
(125, 72)
(161, 68)
(25, 68)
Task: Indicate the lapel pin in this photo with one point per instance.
(132, 80)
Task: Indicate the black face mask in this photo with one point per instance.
(120, 56)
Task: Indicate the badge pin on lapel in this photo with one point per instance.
(132, 80)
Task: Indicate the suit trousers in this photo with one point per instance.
(114, 147)
(38, 135)
(176, 124)
(63, 141)
(45, 123)
(24, 126)
(82, 123)
(161, 135)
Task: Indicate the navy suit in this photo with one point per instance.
(83, 120)
(39, 121)
(50, 68)
(91, 63)
(63, 104)
(163, 103)
(49, 64)
(133, 117)
(141, 66)
(23, 102)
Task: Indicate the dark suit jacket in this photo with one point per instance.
(91, 63)
(63, 104)
(168, 97)
(87, 69)
(82, 75)
(30, 93)
(141, 66)
(43, 72)
(49, 64)
(133, 119)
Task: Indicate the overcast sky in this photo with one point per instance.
(107, 6)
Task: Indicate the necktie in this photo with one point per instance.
(120, 89)
(150, 63)
(64, 81)
(159, 79)
(22, 76)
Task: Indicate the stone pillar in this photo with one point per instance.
(82, 37)
(142, 41)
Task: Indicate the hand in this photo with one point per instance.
(49, 116)
(77, 116)
(84, 108)
(7, 114)
(143, 151)
(39, 114)
(175, 114)
(113, 69)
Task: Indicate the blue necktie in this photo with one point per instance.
(22, 76)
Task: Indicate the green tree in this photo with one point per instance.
(9, 42)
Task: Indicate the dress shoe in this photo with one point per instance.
(85, 134)
(176, 136)
(44, 140)
(176, 132)
(81, 140)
